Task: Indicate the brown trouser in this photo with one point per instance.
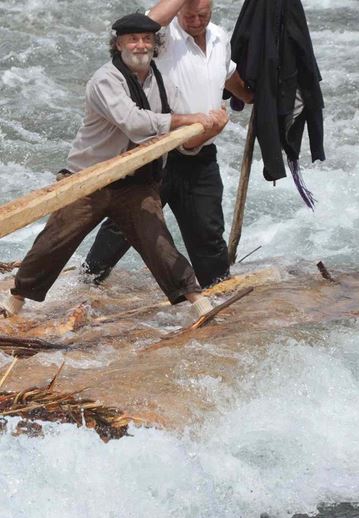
(137, 211)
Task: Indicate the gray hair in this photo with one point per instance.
(210, 3)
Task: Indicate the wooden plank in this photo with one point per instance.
(22, 211)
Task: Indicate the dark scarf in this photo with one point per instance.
(152, 171)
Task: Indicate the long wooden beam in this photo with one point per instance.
(238, 214)
(26, 209)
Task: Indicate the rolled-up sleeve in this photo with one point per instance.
(111, 101)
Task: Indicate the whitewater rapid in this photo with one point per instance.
(284, 436)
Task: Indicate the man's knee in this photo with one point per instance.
(152, 204)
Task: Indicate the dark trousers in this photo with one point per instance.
(193, 188)
(137, 212)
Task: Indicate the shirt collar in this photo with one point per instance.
(148, 78)
(211, 36)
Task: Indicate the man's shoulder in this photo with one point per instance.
(106, 71)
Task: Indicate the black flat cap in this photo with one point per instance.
(135, 22)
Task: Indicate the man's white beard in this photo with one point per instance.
(136, 62)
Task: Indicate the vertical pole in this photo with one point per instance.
(237, 222)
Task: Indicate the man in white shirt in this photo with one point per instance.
(195, 54)
(126, 103)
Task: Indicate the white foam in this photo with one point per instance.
(284, 436)
(329, 4)
(33, 83)
(287, 441)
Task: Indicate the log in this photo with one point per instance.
(199, 323)
(24, 347)
(8, 267)
(8, 370)
(237, 222)
(211, 314)
(324, 272)
(22, 211)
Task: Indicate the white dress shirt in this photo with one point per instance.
(199, 76)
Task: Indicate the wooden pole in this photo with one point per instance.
(237, 222)
(8, 370)
(22, 211)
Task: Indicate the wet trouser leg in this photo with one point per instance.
(196, 202)
(54, 246)
(108, 248)
(138, 212)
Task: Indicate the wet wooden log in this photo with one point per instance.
(25, 347)
(224, 287)
(211, 314)
(29, 208)
(324, 272)
(199, 323)
(128, 313)
(8, 267)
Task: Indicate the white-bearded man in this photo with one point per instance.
(126, 104)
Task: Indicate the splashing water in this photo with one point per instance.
(284, 435)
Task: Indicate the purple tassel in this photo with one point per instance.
(305, 193)
(236, 104)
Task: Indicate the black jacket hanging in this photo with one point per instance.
(273, 51)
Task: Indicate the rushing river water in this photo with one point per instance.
(289, 438)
